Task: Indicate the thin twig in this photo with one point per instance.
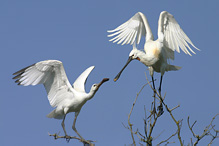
(190, 127)
(206, 132)
(167, 138)
(129, 123)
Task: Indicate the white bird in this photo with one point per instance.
(156, 53)
(61, 94)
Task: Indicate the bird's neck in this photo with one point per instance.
(91, 94)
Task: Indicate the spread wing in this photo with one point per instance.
(52, 75)
(132, 30)
(81, 80)
(172, 35)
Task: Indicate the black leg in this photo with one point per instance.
(153, 82)
(160, 107)
(154, 110)
(161, 78)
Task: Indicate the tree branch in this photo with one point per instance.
(151, 120)
(68, 138)
(168, 138)
(130, 125)
(207, 131)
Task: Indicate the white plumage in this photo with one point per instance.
(61, 94)
(156, 53)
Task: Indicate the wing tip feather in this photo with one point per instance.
(18, 74)
(23, 69)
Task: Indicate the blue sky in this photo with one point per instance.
(75, 32)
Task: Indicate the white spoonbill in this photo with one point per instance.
(61, 94)
(156, 53)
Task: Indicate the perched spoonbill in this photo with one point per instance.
(156, 53)
(61, 94)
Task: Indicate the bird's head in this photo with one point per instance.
(95, 87)
(134, 54)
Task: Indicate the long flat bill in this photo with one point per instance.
(118, 75)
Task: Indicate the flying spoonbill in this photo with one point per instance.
(156, 52)
(61, 94)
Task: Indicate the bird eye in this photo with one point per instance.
(95, 85)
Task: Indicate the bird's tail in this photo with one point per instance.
(55, 115)
(172, 67)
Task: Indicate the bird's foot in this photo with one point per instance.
(56, 135)
(160, 110)
(67, 138)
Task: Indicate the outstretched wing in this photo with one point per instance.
(52, 75)
(132, 30)
(172, 35)
(81, 80)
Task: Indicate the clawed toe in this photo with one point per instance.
(68, 138)
(160, 110)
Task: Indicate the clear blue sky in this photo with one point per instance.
(75, 32)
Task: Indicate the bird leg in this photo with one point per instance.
(154, 110)
(73, 127)
(160, 107)
(153, 82)
(161, 78)
(63, 126)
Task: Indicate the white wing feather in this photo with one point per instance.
(80, 82)
(52, 75)
(172, 35)
(132, 30)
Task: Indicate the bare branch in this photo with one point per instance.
(129, 123)
(174, 108)
(207, 131)
(168, 138)
(68, 138)
(190, 127)
(151, 120)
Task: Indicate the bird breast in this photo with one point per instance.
(155, 52)
(153, 48)
(76, 104)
